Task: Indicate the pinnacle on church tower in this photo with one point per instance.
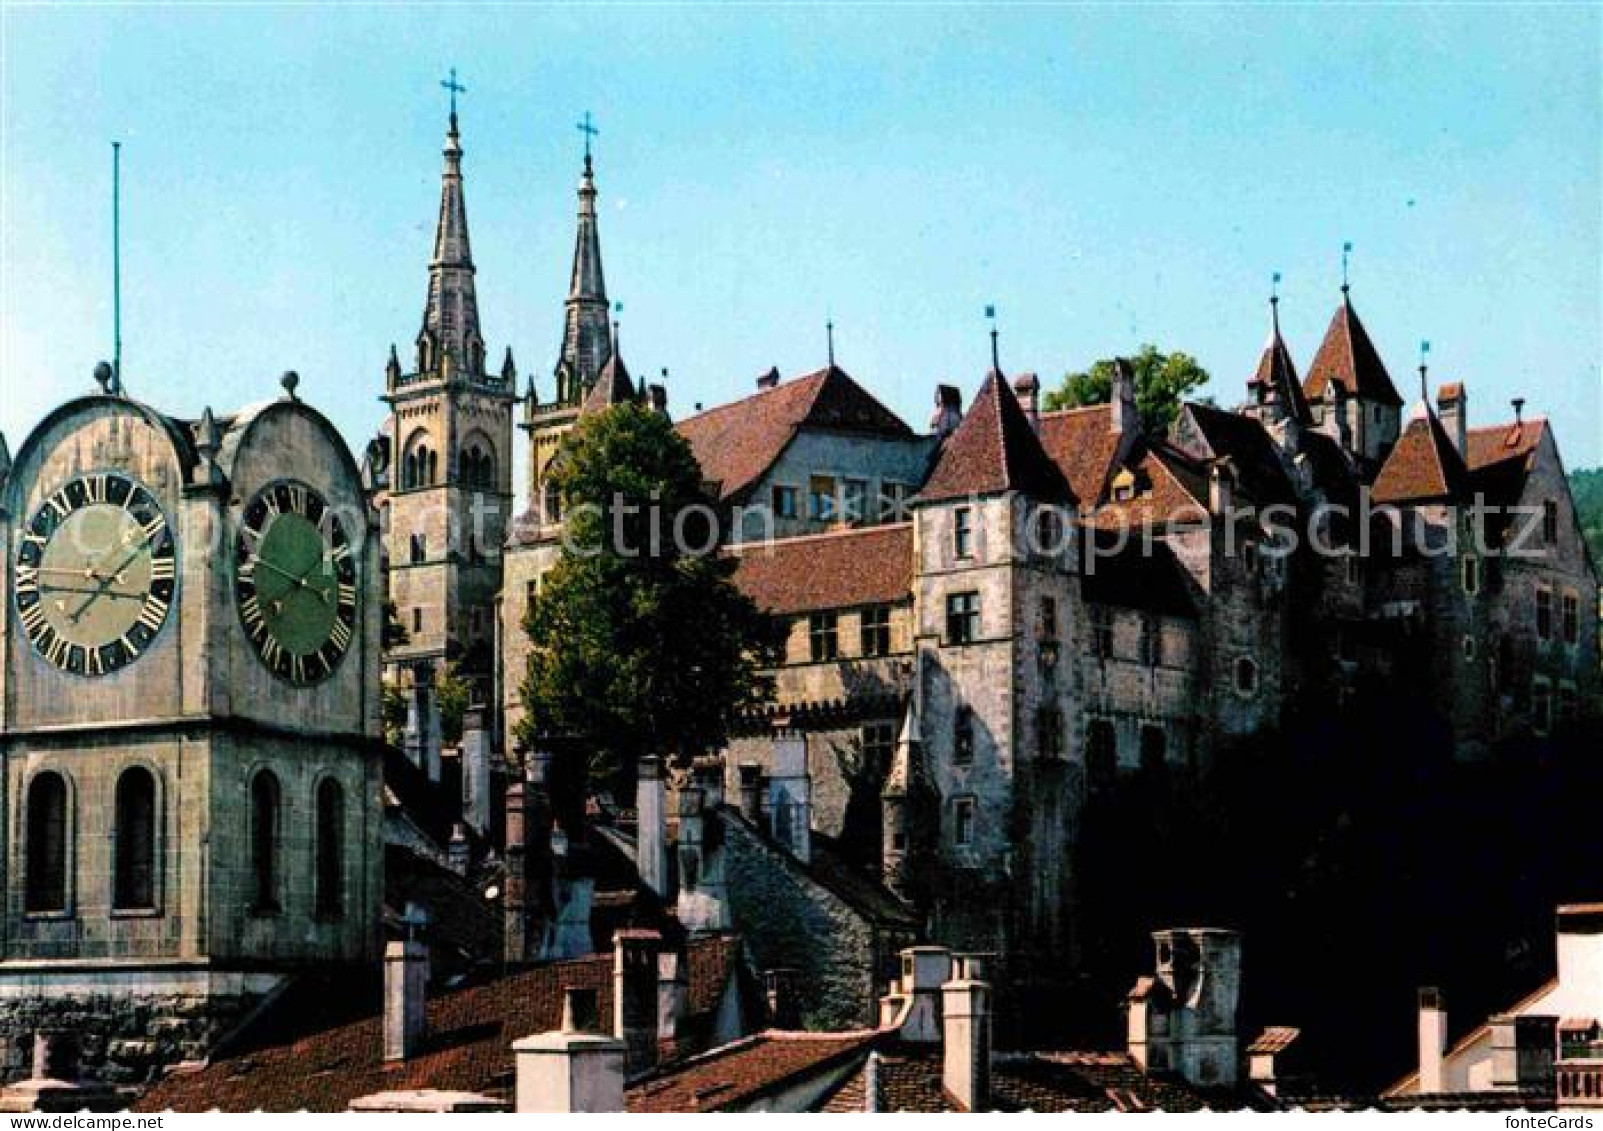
(450, 338)
(586, 336)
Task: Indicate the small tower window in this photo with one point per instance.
(46, 847)
(963, 533)
(1544, 613)
(134, 841)
(1549, 522)
(1570, 618)
(963, 821)
(419, 549)
(962, 617)
(264, 809)
(963, 737)
(330, 849)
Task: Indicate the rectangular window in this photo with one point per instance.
(1571, 618)
(1544, 613)
(962, 617)
(893, 501)
(963, 737)
(1549, 522)
(417, 620)
(963, 533)
(1102, 634)
(963, 821)
(784, 502)
(1049, 737)
(821, 501)
(822, 641)
(854, 500)
(879, 743)
(876, 630)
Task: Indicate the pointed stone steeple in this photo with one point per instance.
(450, 338)
(1275, 381)
(613, 385)
(586, 341)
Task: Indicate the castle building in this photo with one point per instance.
(189, 722)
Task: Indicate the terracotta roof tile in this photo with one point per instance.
(736, 443)
(1169, 486)
(1275, 1039)
(1083, 446)
(738, 1073)
(1499, 442)
(314, 1051)
(1350, 359)
(837, 570)
(1277, 371)
(993, 450)
(1424, 465)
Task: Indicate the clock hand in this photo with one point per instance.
(105, 582)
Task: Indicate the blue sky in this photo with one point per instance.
(1106, 176)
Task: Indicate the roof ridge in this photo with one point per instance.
(741, 548)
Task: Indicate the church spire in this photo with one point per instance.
(586, 340)
(450, 334)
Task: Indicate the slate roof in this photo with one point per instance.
(613, 386)
(994, 450)
(1349, 358)
(736, 443)
(907, 1078)
(1243, 439)
(743, 1071)
(837, 570)
(321, 1045)
(1083, 446)
(1424, 466)
(1278, 372)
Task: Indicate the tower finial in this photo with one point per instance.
(589, 131)
(1346, 251)
(996, 364)
(829, 330)
(455, 88)
(1424, 388)
(1274, 301)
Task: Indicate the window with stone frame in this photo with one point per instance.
(1101, 754)
(962, 821)
(1544, 612)
(962, 617)
(1050, 740)
(822, 503)
(419, 549)
(1151, 641)
(1048, 532)
(264, 818)
(963, 737)
(784, 501)
(823, 641)
(329, 862)
(1570, 618)
(1101, 636)
(1549, 522)
(875, 630)
(963, 532)
(134, 847)
(46, 845)
(879, 745)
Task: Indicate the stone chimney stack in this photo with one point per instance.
(1221, 486)
(966, 1037)
(634, 997)
(476, 759)
(406, 979)
(673, 1000)
(1452, 405)
(751, 792)
(703, 903)
(948, 410)
(790, 796)
(1432, 1040)
(768, 380)
(1123, 419)
(651, 802)
(569, 1071)
(780, 986)
(1027, 386)
(913, 1005)
(1184, 1018)
(515, 896)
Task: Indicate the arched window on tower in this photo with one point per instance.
(264, 811)
(330, 848)
(134, 841)
(46, 846)
(409, 472)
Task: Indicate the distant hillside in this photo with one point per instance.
(1588, 488)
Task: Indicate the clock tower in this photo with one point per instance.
(189, 722)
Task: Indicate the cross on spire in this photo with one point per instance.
(589, 131)
(455, 88)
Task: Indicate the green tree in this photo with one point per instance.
(1587, 486)
(1162, 381)
(640, 645)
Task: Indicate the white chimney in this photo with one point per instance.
(966, 1037)
(652, 831)
(1432, 1041)
(406, 978)
(1221, 486)
(569, 1071)
(913, 1005)
(1452, 406)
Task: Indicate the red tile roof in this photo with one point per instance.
(1277, 371)
(1169, 487)
(1350, 359)
(993, 450)
(1083, 446)
(1424, 466)
(736, 443)
(313, 1052)
(866, 566)
(738, 1073)
(1499, 442)
(1273, 1040)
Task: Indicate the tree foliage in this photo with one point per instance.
(1587, 487)
(1162, 382)
(641, 644)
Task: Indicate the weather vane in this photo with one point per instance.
(455, 88)
(1346, 250)
(996, 365)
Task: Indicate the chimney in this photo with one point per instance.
(1432, 1041)
(751, 792)
(1580, 944)
(948, 410)
(573, 889)
(657, 395)
(651, 831)
(406, 978)
(1184, 1018)
(790, 796)
(780, 987)
(769, 380)
(703, 904)
(673, 999)
(476, 758)
(569, 1071)
(913, 1005)
(1027, 386)
(1123, 419)
(1523, 1051)
(634, 997)
(1452, 406)
(458, 852)
(966, 1037)
(1221, 486)
(515, 897)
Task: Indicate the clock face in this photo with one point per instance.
(296, 582)
(96, 571)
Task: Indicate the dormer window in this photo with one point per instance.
(1123, 487)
